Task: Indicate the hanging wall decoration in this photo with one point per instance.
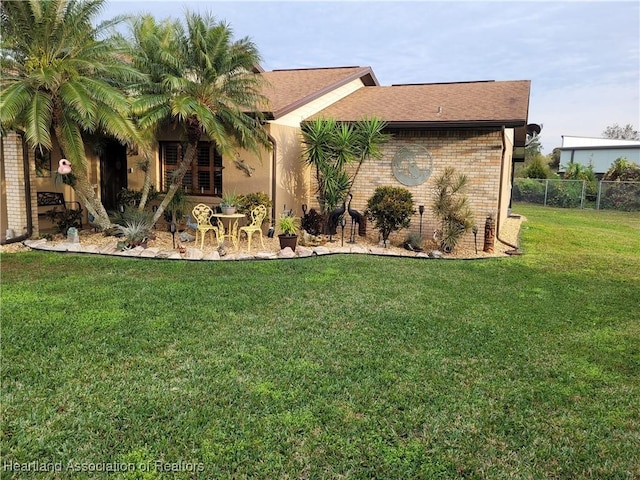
(412, 165)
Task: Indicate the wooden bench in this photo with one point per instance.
(55, 200)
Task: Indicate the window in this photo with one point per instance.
(205, 175)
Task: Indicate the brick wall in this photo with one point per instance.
(14, 187)
(476, 153)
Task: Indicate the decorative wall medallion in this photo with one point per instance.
(412, 165)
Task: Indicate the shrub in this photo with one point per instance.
(313, 222)
(64, 219)
(247, 202)
(451, 208)
(623, 196)
(135, 232)
(623, 170)
(135, 226)
(390, 208)
(564, 194)
(177, 207)
(131, 198)
(538, 168)
(577, 171)
(413, 242)
(131, 215)
(528, 190)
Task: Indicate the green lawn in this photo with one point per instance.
(350, 367)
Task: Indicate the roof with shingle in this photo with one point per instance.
(446, 104)
(290, 89)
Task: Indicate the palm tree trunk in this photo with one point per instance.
(146, 186)
(178, 174)
(82, 186)
(87, 195)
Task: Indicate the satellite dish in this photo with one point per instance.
(533, 130)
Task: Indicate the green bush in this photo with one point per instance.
(538, 168)
(390, 208)
(64, 219)
(564, 194)
(624, 196)
(621, 194)
(247, 202)
(131, 198)
(577, 171)
(623, 170)
(313, 222)
(528, 190)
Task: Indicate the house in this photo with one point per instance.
(599, 152)
(477, 127)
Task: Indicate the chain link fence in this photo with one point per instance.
(578, 193)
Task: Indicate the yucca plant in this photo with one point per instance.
(451, 207)
(332, 146)
(136, 232)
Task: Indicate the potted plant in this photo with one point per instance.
(229, 202)
(288, 226)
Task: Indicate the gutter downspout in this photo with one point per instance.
(504, 151)
(27, 193)
(274, 182)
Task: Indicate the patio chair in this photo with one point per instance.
(257, 217)
(202, 215)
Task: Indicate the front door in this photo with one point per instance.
(113, 172)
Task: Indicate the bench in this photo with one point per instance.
(55, 200)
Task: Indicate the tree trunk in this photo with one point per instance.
(193, 134)
(146, 186)
(87, 195)
(83, 187)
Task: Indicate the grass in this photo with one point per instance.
(352, 367)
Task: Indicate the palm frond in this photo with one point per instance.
(38, 120)
(13, 101)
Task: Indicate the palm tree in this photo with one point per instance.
(60, 79)
(201, 80)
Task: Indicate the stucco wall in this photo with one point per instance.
(292, 176)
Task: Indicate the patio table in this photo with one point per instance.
(231, 229)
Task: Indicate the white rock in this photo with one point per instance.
(194, 254)
(286, 253)
(214, 255)
(304, 252)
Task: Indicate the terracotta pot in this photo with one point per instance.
(290, 241)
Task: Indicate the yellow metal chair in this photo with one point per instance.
(202, 215)
(257, 217)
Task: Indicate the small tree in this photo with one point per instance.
(451, 208)
(537, 168)
(577, 171)
(625, 133)
(391, 209)
(623, 170)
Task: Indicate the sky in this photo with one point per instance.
(583, 58)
